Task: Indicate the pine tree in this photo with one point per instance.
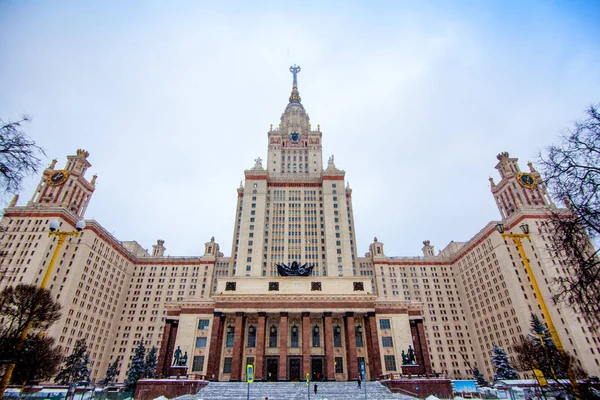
(479, 377)
(539, 331)
(111, 372)
(547, 356)
(150, 366)
(76, 365)
(502, 365)
(137, 369)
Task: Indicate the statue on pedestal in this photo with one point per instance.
(183, 360)
(177, 356)
(411, 355)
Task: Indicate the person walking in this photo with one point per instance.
(315, 389)
(359, 383)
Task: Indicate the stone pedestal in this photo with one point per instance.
(412, 369)
(178, 370)
(148, 389)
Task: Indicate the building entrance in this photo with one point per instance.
(272, 369)
(294, 369)
(316, 367)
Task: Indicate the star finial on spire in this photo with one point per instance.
(295, 97)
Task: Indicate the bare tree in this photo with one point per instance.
(24, 305)
(38, 359)
(19, 155)
(572, 173)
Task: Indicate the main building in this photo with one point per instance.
(443, 311)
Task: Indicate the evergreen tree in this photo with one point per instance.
(546, 357)
(539, 331)
(479, 377)
(111, 372)
(502, 365)
(76, 365)
(137, 369)
(151, 362)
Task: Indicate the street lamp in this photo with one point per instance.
(54, 226)
(517, 239)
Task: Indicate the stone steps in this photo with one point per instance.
(294, 391)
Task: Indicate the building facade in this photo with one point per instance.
(440, 312)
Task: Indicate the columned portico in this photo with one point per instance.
(236, 359)
(306, 336)
(283, 346)
(260, 347)
(329, 361)
(352, 361)
(288, 335)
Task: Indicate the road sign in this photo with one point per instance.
(250, 373)
(362, 371)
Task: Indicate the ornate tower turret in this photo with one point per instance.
(158, 250)
(518, 189)
(66, 187)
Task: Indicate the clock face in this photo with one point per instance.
(58, 178)
(526, 180)
(294, 137)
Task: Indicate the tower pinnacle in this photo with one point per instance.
(295, 97)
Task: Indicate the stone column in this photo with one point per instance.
(283, 345)
(329, 358)
(420, 346)
(373, 345)
(259, 362)
(351, 358)
(238, 348)
(306, 343)
(167, 347)
(216, 346)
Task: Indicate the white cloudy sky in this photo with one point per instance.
(173, 101)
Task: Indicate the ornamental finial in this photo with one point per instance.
(295, 97)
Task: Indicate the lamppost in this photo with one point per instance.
(517, 239)
(54, 225)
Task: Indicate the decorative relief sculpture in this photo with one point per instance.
(295, 269)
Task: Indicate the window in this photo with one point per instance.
(390, 363)
(337, 336)
(273, 337)
(252, 336)
(203, 324)
(230, 336)
(294, 336)
(339, 365)
(200, 342)
(227, 365)
(386, 341)
(358, 335)
(198, 363)
(316, 337)
(384, 324)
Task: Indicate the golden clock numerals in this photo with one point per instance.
(526, 180)
(57, 178)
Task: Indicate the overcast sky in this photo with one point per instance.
(173, 100)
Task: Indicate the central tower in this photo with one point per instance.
(292, 209)
(294, 148)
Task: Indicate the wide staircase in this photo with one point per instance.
(294, 390)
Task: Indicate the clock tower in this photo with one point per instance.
(67, 187)
(516, 189)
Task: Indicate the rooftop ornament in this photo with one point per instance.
(295, 269)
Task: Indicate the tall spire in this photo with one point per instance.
(295, 97)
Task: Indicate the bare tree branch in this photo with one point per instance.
(19, 155)
(572, 173)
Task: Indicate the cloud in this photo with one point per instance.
(174, 101)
